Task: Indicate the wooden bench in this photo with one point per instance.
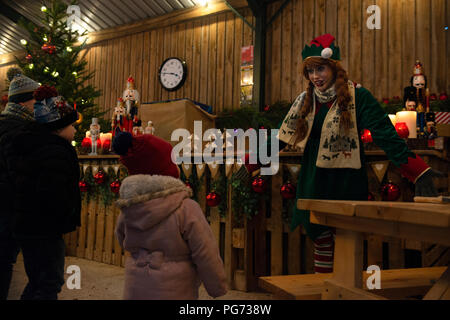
(395, 284)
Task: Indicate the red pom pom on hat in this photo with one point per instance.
(149, 154)
(45, 92)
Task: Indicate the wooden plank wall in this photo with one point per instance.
(381, 60)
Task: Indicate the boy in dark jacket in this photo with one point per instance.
(47, 200)
(18, 112)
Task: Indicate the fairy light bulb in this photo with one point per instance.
(23, 42)
(46, 69)
(43, 8)
(45, 38)
(75, 73)
(69, 49)
(31, 66)
(55, 74)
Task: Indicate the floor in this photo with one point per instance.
(105, 282)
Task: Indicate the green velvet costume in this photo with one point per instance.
(342, 183)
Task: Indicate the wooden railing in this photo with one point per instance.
(263, 245)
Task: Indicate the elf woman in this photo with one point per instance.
(324, 123)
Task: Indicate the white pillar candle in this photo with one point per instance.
(410, 118)
(393, 118)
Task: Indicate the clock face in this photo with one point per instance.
(172, 74)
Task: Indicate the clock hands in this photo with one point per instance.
(174, 74)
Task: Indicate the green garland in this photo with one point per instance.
(194, 181)
(220, 186)
(397, 105)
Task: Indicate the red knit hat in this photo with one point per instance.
(145, 154)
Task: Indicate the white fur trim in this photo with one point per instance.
(327, 53)
(141, 188)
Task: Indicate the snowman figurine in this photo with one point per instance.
(95, 133)
(149, 129)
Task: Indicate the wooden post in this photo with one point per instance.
(348, 258)
(276, 247)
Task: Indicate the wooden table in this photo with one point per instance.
(406, 220)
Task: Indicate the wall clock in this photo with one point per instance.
(172, 74)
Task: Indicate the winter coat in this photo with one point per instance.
(172, 246)
(45, 175)
(9, 127)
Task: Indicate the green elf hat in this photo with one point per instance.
(322, 47)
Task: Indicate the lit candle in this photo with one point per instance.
(393, 118)
(410, 118)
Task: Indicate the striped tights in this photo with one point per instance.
(323, 252)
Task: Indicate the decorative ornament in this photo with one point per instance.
(386, 100)
(45, 47)
(189, 185)
(390, 192)
(212, 199)
(83, 186)
(80, 119)
(366, 136)
(433, 97)
(99, 177)
(115, 186)
(443, 96)
(370, 197)
(29, 57)
(402, 130)
(259, 185)
(51, 49)
(287, 191)
(380, 168)
(95, 136)
(267, 108)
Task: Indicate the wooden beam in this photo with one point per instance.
(348, 258)
(438, 291)
(336, 291)
(175, 17)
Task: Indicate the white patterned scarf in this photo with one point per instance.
(337, 149)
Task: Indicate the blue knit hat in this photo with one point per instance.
(52, 110)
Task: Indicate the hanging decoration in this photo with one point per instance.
(229, 169)
(366, 136)
(200, 169)
(188, 184)
(380, 168)
(115, 186)
(187, 169)
(214, 168)
(99, 177)
(83, 186)
(212, 199)
(259, 185)
(287, 191)
(390, 192)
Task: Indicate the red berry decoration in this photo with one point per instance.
(443, 96)
(212, 199)
(385, 100)
(370, 197)
(259, 185)
(99, 177)
(115, 186)
(83, 186)
(51, 49)
(402, 130)
(287, 191)
(29, 57)
(366, 136)
(390, 192)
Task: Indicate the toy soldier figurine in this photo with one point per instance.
(416, 92)
(149, 129)
(95, 133)
(131, 99)
(118, 119)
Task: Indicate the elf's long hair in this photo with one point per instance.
(342, 92)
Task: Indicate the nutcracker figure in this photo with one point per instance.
(95, 134)
(131, 99)
(118, 121)
(149, 129)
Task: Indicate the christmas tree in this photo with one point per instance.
(53, 58)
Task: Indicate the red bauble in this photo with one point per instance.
(45, 47)
(259, 185)
(188, 185)
(287, 191)
(267, 107)
(99, 177)
(29, 57)
(212, 199)
(390, 192)
(443, 96)
(83, 186)
(385, 100)
(370, 197)
(366, 136)
(115, 186)
(51, 49)
(86, 143)
(433, 97)
(402, 130)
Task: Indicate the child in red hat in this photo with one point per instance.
(172, 246)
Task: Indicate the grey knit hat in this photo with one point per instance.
(21, 87)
